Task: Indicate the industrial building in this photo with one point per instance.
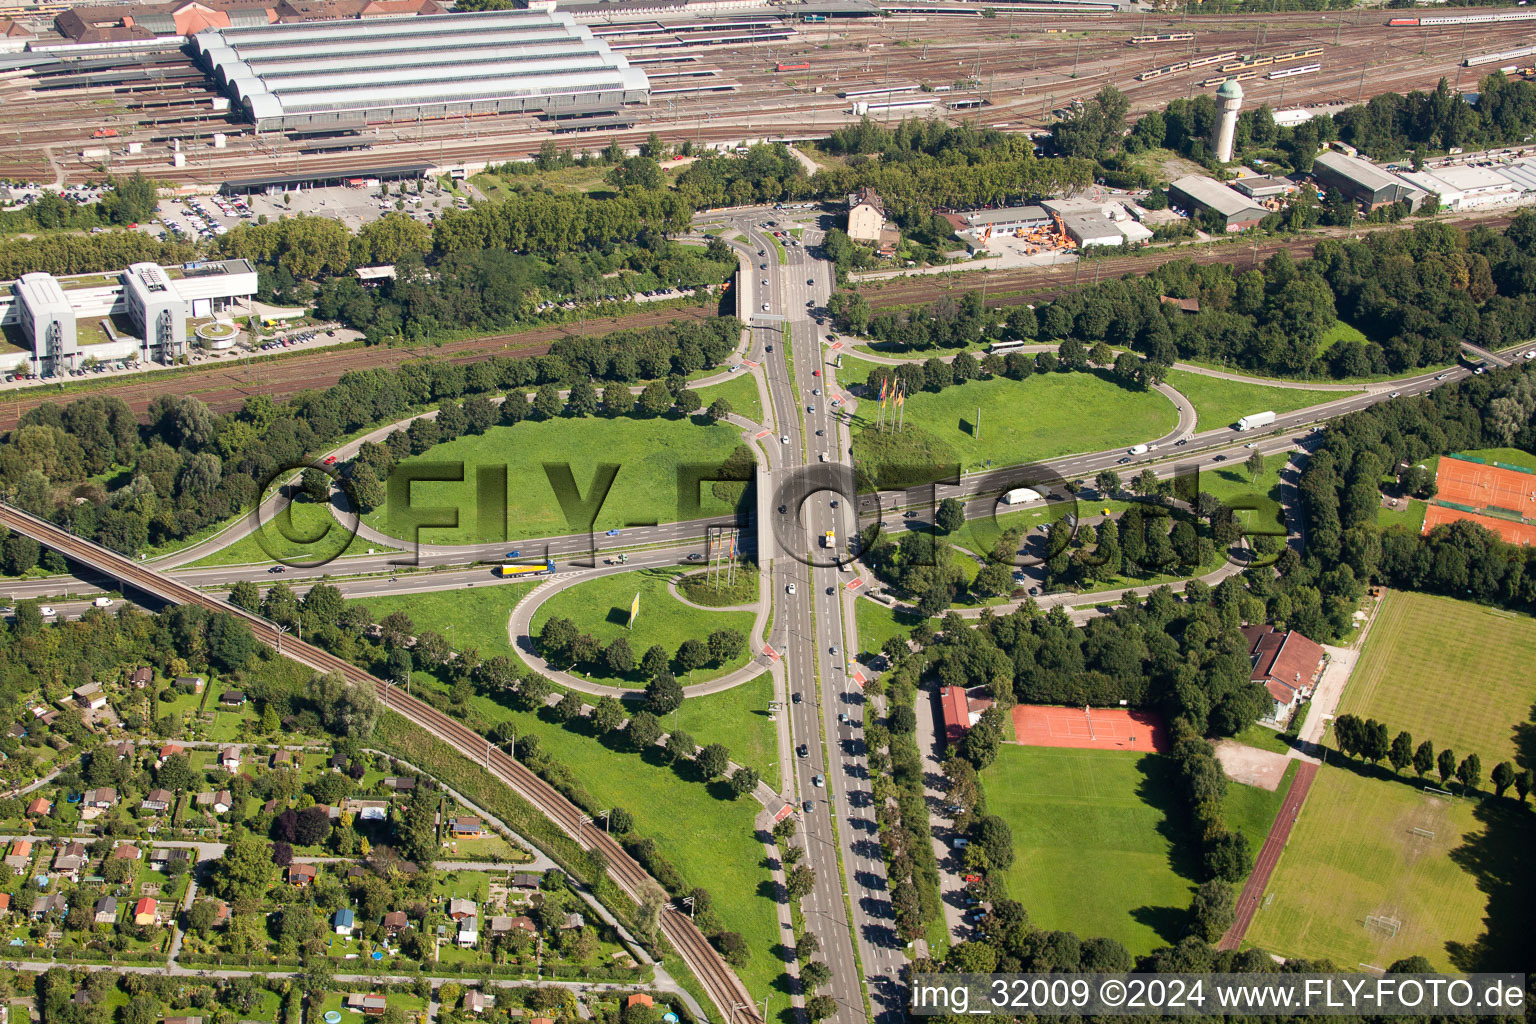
(64, 321)
(322, 75)
(1363, 182)
(1472, 188)
(1197, 192)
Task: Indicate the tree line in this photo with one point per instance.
(1367, 740)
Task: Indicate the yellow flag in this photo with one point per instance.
(634, 610)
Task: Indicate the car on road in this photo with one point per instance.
(815, 373)
(762, 266)
(1220, 458)
(1396, 394)
(695, 557)
(818, 781)
(803, 751)
(816, 391)
(765, 307)
(612, 533)
(910, 515)
(843, 717)
(794, 697)
(1530, 353)
(810, 281)
(278, 568)
(1251, 444)
(806, 806)
(821, 433)
(789, 589)
(1123, 461)
(47, 610)
(765, 282)
(1181, 442)
(1442, 376)
(972, 878)
(514, 554)
(832, 649)
(783, 509)
(763, 252)
(835, 503)
(783, 439)
(831, 590)
(330, 460)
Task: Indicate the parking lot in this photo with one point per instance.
(355, 207)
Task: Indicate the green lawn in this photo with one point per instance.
(311, 534)
(877, 623)
(741, 391)
(1256, 499)
(738, 717)
(1508, 456)
(1022, 421)
(601, 607)
(1090, 839)
(477, 615)
(1339, 331)
(700, 829)
(1409, 513)
(1448, 671)
(1220, 403)
(1250, 810)
(648, 452)
(1264, 739)
(1354, 855)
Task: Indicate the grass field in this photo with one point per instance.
(740, 391)
(877, 623)
(1256, 499)
(738, 717)
(601, 607)
(1220, 403)
(1250, 810)
(313, 534)
(648, 453)
(1090, 841)
(1353, 855)
(1022, 421)
(715, 848)
(1448, 671)
(470, 617)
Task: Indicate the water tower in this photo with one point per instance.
(1230, 96)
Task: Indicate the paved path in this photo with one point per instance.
(932, 748)
(1269, 855)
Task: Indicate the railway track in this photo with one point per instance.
(719, 981)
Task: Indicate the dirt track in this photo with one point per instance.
(225, 388)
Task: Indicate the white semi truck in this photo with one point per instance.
(1258, 419)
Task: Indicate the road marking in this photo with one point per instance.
(856, 584)
(762, 433)
(770, 652)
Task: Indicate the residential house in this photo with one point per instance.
(400, 785)
(542, 1020)
(40, 808)
(17, 731)
(476, 1001)
(90, 696)
(338, 762)
(229, 759)
(526, 880)
(218, 803)
(127, 852)
(44, 905)
(866, 216)
(140, 678)
(106, 910)
(1287, 665)
(283, 759)
(101, 799)
(366, 810)
(525, 924)
(183, 1020)
(638, 999)
(190, 684)
(232, 699)
(20, 856)
(157, 800)
(146, 912)
(501, 924)
(459, 908)
(301, 874)
(5, 903)
(342, 921)
(469, 932)
(573, 923)
(171, 750)
(395, 922)
(221, 914)
(69, 860)
(467, 827)
(124, 750)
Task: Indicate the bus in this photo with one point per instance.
(509, 570)
(1005, 346)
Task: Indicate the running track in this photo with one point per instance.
(1269, 855)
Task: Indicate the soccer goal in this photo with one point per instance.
(1386, 926)
(1426, 833)
(1443, 794)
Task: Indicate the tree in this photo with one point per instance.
(655, 400)
(1524, 782)
(1107, 483)
(231, 645)
(995, 839)
(568, 709)
(582, 400)
(663, 694)
(1254, 465)
(951, 515)
(1401, 754)
(607, 715)
(726, 644)
(618, 400)
(345, 709)
(680, 746)
(1211, 911)
(820, 1007)
(315, 485)
(1446, 765)
(743, 782)
(245, 594)
(655, 661)
(713, 760)
(546, 402)
(718, 410)
(1470, 772)
(643, 730)
(1503, 777)
(815, 975)
(799, 881)
(620, 659)
(692, 654)
(1424, 758)
(245, 872)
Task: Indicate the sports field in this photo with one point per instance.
(1092, 853)
(1448, 671)
(1354, 856)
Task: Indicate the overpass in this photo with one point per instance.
(725, 990)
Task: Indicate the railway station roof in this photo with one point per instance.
(260, 183)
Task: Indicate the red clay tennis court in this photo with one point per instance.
(1483, 486)
(1036, 725)
(1509, 530)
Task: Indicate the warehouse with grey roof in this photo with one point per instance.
(328, 74)
(1197, 192)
